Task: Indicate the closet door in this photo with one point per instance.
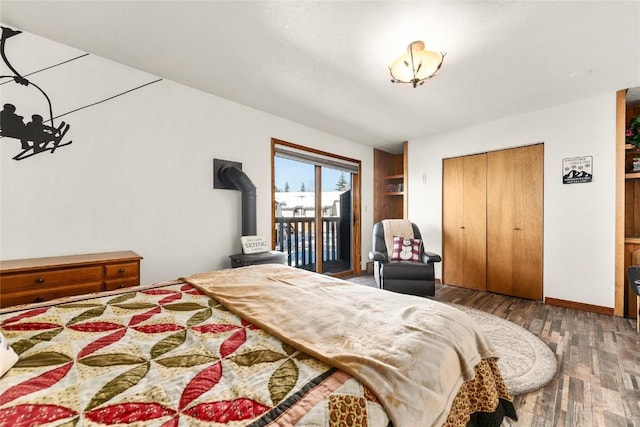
(475, 221)
(464, 221)
(453, 221)
(514, 221)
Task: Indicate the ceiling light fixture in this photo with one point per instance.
(417, 65)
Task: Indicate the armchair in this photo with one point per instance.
(407, 277)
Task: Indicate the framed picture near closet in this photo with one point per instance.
(577, 170)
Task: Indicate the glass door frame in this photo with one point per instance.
(356, 244)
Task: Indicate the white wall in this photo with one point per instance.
(138, 174)
(578, 218)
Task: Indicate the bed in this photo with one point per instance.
(264, 345)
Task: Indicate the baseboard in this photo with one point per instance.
(579, 306)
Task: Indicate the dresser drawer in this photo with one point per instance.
(46, 293)
(125, 269)
(30, 280)
(112, 285)
(46, 279)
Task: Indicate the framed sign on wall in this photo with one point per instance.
(577, 170)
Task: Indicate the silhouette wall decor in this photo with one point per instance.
(38, 135)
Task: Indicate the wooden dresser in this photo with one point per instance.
(25, 281)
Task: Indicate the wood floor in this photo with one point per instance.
(598, 379)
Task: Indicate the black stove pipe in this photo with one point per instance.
(238, 180)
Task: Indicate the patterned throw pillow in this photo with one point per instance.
(8, 357)
(406, 249)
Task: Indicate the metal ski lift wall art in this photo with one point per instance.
(35, 136)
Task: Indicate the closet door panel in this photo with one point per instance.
(453, 221)
(528, 214)
(514, 227)
(500, 219)
(475, 221)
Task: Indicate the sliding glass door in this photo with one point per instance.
(314, 210)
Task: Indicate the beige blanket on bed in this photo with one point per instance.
(414, 353)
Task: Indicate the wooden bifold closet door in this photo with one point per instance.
(464, 225)
(492, 221)
(514, 221)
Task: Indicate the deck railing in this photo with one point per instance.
(296, 237)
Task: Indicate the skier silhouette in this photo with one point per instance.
(11, 124)
(39, 133)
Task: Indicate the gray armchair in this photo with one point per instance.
(633, 277)
(406, 277)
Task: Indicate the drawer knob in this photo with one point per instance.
(121, 286)
(39, 299)
(40, 280)
(121, 270)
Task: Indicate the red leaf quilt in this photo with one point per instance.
(167, 356)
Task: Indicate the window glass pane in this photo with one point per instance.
(337, 215)
(294, 196)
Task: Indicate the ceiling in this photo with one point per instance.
(324, 64)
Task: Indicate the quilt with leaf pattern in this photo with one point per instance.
(166, 355)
